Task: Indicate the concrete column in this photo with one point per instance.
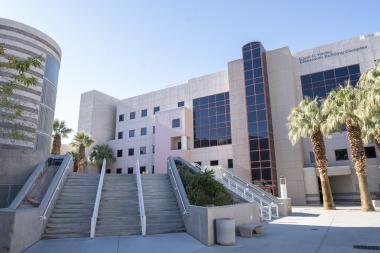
(311, 185)
(183, 142)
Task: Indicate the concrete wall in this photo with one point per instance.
(283, 86)
(97, 116)
(239, 127)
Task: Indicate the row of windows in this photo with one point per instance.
(230, 163)
(342, 154)
(144, 112)
(212, 121)
(130, 170)
(321, 83)
(144, 131)
(131, 151)
(258, 115)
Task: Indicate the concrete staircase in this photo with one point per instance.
(119, 206)
(161, 209)
(71, 216)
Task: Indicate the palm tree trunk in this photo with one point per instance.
(321, 161)
(56, 149)
(81, 158)
(360, 164)
(377, 142)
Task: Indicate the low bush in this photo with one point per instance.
(203, 190)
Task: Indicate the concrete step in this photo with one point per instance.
(65, 235)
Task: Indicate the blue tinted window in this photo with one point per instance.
(132, 115)
(131, 133)
(144, 113)
(329, 74)
(51, 69)
(143, 131)
(156, 109)
(181, 104)
(176, 123)
(317, 77)
(341, 72)
(354, 69)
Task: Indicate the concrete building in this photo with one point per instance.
(19, 155)
(237, 118)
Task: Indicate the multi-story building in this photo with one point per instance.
(18, 155)
(237, 118)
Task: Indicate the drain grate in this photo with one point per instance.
(367, 247)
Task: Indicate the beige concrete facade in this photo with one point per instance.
(284, 70)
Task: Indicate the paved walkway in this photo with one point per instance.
(310, 229)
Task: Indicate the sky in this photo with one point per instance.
(125, 48)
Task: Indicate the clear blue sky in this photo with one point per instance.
(125, 48)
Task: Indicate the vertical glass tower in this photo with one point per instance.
(259, 120)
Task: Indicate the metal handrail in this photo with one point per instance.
(43, 216)
(141, 199)
(185, 212)
(266, 202)
(95, 212)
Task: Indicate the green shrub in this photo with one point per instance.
(203, 190)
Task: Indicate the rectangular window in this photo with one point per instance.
(154, 130)
(143, 131)
(153, 149)
(156, 109)
(130, 170)
(142, 150)
(230, 163)
(212, 122)
(214, 163)
(142, 169)
(118, 171)
(132, 115)
(131, 152)
(311, 156)
(119, 153)
(152, 169)
(176, 123)
(181, 104)
(370, 152)
(144, 113)
(108, 171)
(121, 117)
(120, 135)
(131, 133)
(341, 154)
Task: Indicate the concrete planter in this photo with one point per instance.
(225, 231)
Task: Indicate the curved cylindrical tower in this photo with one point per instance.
(32, 145)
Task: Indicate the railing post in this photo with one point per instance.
(141, 199)
(95, 212)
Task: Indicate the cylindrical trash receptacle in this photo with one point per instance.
(225, 231)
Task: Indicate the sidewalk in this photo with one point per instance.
(310, 229)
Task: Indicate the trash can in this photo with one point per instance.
(225, 231)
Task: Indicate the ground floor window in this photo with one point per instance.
(370, 152)
(341, 154)
(130, 170)
(214, 163)
(108, 171)
(118, 171)
(152, 169)
(142, 169)
(230, 163)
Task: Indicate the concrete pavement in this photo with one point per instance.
(310, 229)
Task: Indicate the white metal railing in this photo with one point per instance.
(95, 212)
(185, 212)
(67, 165)
(141, 198)
(268, 203)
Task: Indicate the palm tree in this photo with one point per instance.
(341, 107)
(305, 120)
(59, 131)
(101, 152)
(81, 142)
(74, 154)
(369, 107)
